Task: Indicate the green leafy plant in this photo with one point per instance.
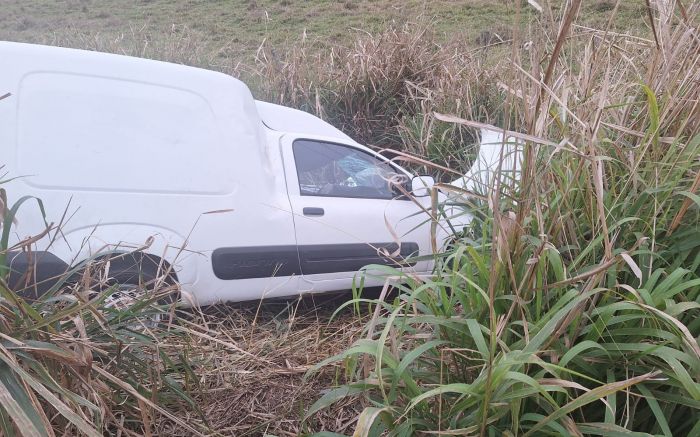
(570, 307)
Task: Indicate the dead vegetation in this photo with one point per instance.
(243, 368)
(251, 361)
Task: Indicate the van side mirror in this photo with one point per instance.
(421, 185)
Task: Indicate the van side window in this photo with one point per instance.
(333, 170)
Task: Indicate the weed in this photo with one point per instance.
(577, 312)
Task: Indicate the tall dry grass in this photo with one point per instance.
(383, 89)
(72, 364)
(572, 307)
(575, 315)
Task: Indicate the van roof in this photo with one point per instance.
(74, 59)
(24, 59)
(283, 119)
(125, 113)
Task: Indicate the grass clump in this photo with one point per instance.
(383, 89)
(570, 308)
(72, 364)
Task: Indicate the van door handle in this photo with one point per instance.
(313, 211)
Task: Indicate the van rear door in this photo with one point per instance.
(346, 213)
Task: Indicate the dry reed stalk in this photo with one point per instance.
(251, 361)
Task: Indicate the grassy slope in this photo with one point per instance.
(235, 28)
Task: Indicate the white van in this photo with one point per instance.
(237, 198)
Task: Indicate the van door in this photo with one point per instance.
(347, 215)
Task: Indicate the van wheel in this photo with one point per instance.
(153, 306)
(133, 279)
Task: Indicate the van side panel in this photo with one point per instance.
(126, 128)
(131, 153)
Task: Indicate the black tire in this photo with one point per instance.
(143, 271)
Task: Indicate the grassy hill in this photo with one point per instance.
(234, 29)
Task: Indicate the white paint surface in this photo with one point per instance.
(130, 150)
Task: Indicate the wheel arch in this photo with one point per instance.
(135, 267)
(127, 249)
